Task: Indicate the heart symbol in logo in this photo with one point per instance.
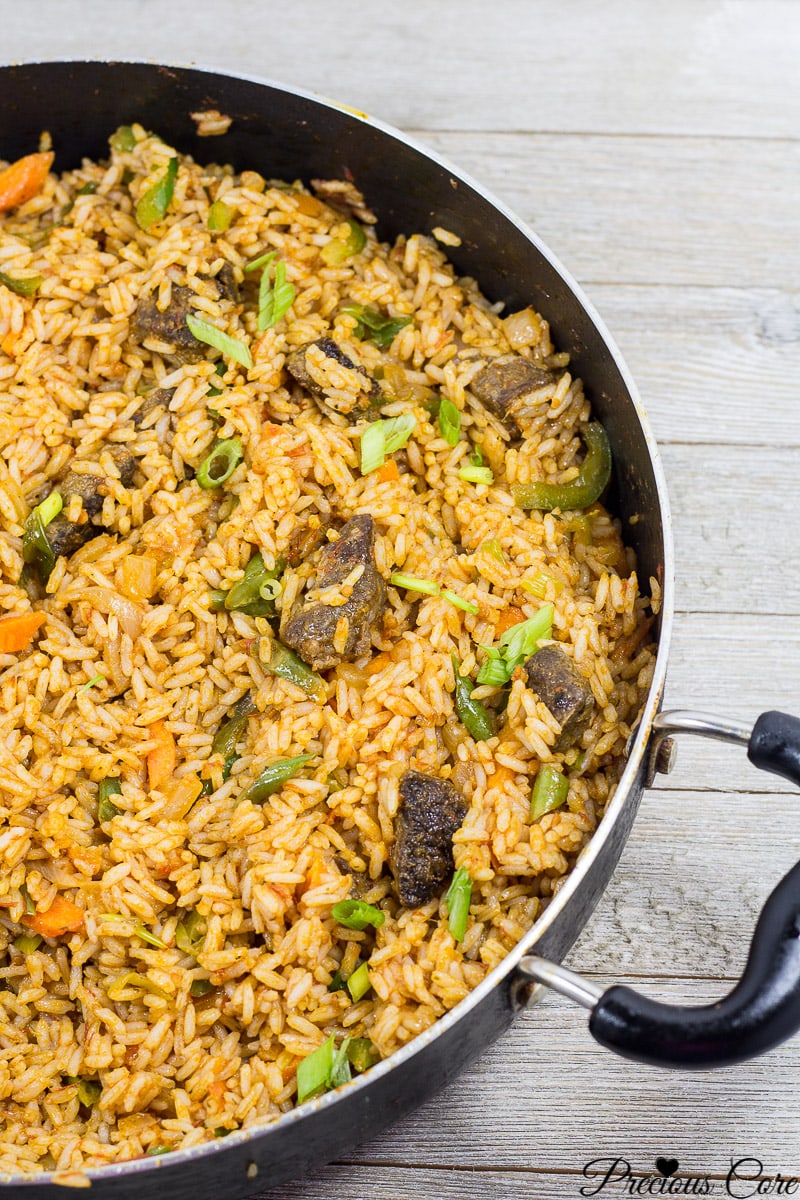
(667, 1166)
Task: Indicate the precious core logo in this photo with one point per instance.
(745, 1178)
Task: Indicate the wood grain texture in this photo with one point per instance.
(690, 211)
(655, 148)
(624, 66)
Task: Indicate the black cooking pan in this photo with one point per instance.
(288, 134)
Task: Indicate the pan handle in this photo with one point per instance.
(764, 1007)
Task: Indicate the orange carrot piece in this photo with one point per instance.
(61, 917)
(23, 179)
(388, 472)
(17, 633)
(508, 617)
(161, 759)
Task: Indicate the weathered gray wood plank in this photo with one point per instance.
(714, 365)
(700, 211)
(690, 67)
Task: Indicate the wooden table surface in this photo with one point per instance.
(654, 147)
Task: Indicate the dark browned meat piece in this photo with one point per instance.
(311, 631)
(431, 810)
(170, 325)
(503, 388)
(159, 398)
(65, 537)
(552, 675)
(296, 366)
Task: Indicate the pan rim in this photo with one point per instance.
(651, 706)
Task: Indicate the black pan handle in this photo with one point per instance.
(763, 1009)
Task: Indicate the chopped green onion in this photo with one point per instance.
(340, 1069)
(153, 205)
(191, 933)
(372, 326)
(314, 1072)
(132, 979)
(200, 987)
(26, 943)
(359, 983)
(88, 189)
(22, 287)
(220, 216)
(494, 548)
(30, 907)
(273, 777)
(473, 715)
(89, 1092)
(357, 914)
(459, 602)
(106, 809)
(337, 984)
(587, 487)
(516, 645)
(123, 140)
(204, 331)
(261, 262)
(270, 589)
(274, 298)
(286, 664)
(476, 458)
(373, 448)
(449, 421)
(36, 548)
(550, 790)
(384, 437)
(413, 583)
(472, 474)
(334, 253)
(245, 595)
(362, 1054)
(220, 464)
(457, 900)
(93, 682)
(154, 1150)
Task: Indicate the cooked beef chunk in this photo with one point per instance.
(296, 366)
(225, 279)
(503, 388)
(431, 810)
(170, 325)
(552, 675)
(159, 398)
(311, 631)
(65, 537)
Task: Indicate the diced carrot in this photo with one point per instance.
(61, 917)
(502, 775)
(17, 633)
(217, 1090)
(388, 472)
(23, 179)
(161, 759)
(379, 663)
(508, 617)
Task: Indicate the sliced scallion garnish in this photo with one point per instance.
(314, 1072)
(459, 602)
(515, 646)
(204, 331)
(357, 914)
(384, 437)
(220, 464)
(275, 297)
(449, 421)
(220, 216)
(22, 287)
(414, 583)
(359, 983)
